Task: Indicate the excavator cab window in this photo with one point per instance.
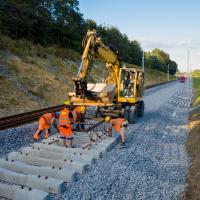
(127, 83)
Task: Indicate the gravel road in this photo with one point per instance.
(154, 166)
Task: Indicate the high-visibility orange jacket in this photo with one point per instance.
(64, 121)
(77, 113)
(45, 121)
(117, 123)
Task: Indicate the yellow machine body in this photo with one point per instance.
(128, 82)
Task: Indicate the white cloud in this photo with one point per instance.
(150, 44)
(196, 53)
(177, 50)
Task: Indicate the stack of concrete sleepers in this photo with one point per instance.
(35, 172)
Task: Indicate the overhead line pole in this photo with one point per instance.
(188, 63)
(143, 60)
(168, 72)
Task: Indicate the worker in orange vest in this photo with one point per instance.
(45, 122)
(119, 125)
(79, 116)
(64, 121)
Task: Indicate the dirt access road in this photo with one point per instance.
(154, 164)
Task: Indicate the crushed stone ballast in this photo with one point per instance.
(43, 168)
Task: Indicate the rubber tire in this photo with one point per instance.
(141, 109)
(126, 112)
(133, 115)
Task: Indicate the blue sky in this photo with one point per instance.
(170, 25)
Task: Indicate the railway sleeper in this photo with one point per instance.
(58, 156)
(101, 146)
(61, 149)
(66, 175)
(21, 193)
(77, 166)
(46, 184)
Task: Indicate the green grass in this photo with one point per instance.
(196, 73)
(13, 100)
(196, 86)
(193, 146)
(153, 76)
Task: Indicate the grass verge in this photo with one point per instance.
(196, 85)
(193, 147)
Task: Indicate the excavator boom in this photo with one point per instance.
(94, 47)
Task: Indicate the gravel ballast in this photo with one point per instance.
(154, 164)
(15, 138)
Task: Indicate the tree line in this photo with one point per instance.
(60, 22)
(158, 59)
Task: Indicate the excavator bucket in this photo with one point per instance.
(98, 94)
(103, 91)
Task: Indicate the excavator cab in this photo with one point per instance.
(130, 85)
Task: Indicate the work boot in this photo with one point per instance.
(122, 145)
(46, 136)
(36, 136)
(120, 141)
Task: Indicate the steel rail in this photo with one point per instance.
(24, 118)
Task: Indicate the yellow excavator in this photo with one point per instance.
(120, 95)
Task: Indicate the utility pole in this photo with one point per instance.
(143, 60)
(168, 72)
(188, 63)
(188, 68)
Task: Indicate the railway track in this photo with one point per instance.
(24, 118)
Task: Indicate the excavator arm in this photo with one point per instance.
(94, 47)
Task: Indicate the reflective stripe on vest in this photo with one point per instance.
(64, 118)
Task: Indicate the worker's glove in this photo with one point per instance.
(109, 131)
